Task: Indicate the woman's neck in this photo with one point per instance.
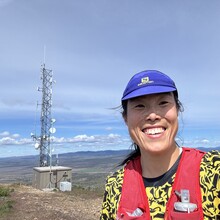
(154, 165)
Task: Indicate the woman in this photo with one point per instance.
(159, 179)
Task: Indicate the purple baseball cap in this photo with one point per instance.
(148, 82)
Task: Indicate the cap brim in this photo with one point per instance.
(148, 90)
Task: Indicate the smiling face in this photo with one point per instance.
(152, 122)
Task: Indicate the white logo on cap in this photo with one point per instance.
(144, 81)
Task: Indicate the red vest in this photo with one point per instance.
(134, 195)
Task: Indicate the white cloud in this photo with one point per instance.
(4, 133)
(16, 140)
(15, 135)
(89, 139)
(7, 141)
(108, 128)
(13, 139)
(198, 142)
(205, 141)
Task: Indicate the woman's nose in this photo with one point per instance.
(152, 115)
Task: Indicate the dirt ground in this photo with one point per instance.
(33, 204)
(89, 172)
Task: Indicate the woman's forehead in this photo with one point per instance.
(157, 95)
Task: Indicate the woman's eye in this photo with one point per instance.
(139, 106)
(163, 103)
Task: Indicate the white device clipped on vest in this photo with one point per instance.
(136, 212)
(184, 205)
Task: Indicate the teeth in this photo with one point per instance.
(154, 131)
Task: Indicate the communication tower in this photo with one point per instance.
(47, 175)
(43, 142)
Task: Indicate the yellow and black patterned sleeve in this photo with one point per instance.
(210, 184)
(210, 187)
(112, 194)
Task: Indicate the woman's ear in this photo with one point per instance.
(124, 111)
(125, 119)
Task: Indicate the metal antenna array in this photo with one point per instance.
(46, 175)
(43, 141)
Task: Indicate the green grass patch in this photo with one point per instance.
(5, 203)
(4, 191)
(5, 207)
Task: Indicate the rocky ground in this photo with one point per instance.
(32, 204)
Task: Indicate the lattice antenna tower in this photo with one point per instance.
(43, 142)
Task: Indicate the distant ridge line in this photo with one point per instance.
(102, 153)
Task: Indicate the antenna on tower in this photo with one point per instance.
(44, 54)
(43, 142)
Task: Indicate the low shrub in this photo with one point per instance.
(5, 202)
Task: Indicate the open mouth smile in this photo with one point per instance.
(154, 131)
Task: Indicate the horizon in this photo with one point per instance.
(94, 143)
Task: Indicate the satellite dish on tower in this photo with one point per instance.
(53, 120)
(52, 130)
(37, 145)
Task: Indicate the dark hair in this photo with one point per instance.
(136, 152)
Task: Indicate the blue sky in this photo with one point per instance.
(94, 47)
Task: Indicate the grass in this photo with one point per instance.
(87, 192)
(4, 191)
(5, 203)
